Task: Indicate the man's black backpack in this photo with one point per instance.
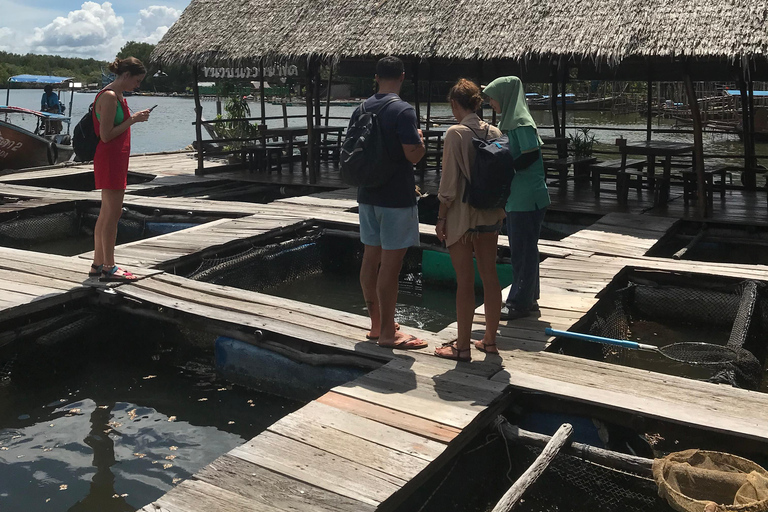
(364, 160)
(491, 174)
(84, 138)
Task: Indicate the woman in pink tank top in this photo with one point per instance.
(112, 121)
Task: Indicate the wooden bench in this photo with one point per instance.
(633, 171)
(562, 165)
(710, 172)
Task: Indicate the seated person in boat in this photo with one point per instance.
(50, 103)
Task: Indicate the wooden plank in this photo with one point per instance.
(373, 431)
(263, 486)
(302, 427)
(319, 468)
(195, 496)
(388, 416)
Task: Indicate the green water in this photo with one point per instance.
(420, 305)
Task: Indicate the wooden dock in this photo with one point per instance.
(366, 445)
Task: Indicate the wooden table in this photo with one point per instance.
(289, 134)
(652, 149)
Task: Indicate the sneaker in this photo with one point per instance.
(510, 313)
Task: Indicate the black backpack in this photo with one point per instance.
(491, 174)
(364, 160)
(84, 138)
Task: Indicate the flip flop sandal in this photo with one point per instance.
(375, 338)
(407, 343)
(455, 354)
(111, 276)
(484, 346)
(95, 270)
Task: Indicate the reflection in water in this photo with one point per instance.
(102, 495)
(112, 422)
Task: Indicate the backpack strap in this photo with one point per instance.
(378, 110)
(487, 130)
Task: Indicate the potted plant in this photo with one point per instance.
(580, 143)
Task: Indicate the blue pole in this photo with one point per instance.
(599, 339)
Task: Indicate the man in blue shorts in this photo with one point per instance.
(389, 221)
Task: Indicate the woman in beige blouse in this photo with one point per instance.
(465, 229)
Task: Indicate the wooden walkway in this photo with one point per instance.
(367, 444)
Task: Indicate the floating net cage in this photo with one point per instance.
(294, 257)
(25, 229)
(733, 315)
(573, 484)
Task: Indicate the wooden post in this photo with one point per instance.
(547, 455)
(316, 92)
(564, 71)
(328, 95)
(751, 94)
(198, 124)
(698, 145)
(261, 90)
(429, 95)
(480, 82)
(649, 97)
(553, 105)
(285, 114)
(311, 147)
(415, 79)
(748, 177)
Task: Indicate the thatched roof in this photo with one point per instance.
(599, 30)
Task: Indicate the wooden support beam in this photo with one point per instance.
(311, 145)
(429, 95)
(261, 91)
(547, 455)
(415, 80)
(200, 170)
(649, 111)
(748, 177)
(698, 145)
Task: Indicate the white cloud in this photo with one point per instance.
(94, 30)
(7, 39)
(156, 17)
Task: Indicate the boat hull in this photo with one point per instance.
(20, 148)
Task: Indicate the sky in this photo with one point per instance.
(83, 29)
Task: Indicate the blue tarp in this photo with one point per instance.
(738, 93)
(39, 79)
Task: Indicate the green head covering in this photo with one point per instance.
(508, 91)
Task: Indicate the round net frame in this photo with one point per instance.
(700, 353)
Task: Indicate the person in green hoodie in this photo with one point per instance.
(529, 197)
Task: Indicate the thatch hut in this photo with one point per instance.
(539, 40)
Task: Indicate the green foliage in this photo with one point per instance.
(580, 143)
(88, 71)
(236, 108)
(82, 70)
(170, 79)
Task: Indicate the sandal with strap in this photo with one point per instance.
(483, 347)
(116, 275)
(95, 270)
(371, 337)
(455, 353)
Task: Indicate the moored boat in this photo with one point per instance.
(45, 144)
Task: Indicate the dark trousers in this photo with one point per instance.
(523, 229)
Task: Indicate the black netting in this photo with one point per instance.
(735, 317)
(42, 227)
(687, 304)
(277, 263)
(572, 484)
